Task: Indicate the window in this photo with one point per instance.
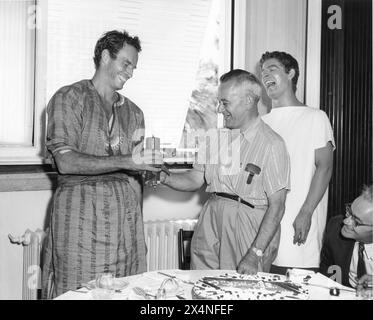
(20, 111)
(186, 47)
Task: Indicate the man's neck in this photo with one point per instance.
(250, 123)
(100, 82)
(288, 98)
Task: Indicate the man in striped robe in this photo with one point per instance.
(93, 135)
(239, 226)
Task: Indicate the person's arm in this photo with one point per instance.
(249, 264)
(319, 184)
(73, 162)
(191, 180)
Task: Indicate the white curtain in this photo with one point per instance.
(274, 25)
(172, 33)
(17, 34)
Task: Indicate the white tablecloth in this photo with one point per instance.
(152, 280)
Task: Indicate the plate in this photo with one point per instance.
(118, 284)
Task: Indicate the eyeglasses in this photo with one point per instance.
(354, 219)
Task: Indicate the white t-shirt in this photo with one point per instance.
(368, 259)
(304, 130)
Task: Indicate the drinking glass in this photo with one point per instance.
(104, 286)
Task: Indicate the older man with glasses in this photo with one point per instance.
(347, 252)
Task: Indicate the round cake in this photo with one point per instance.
(248, 287)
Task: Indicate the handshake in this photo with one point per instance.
(150, 163)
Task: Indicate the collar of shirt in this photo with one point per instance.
(368, 259)
(250, 132)
(368, 251)
(120, 101)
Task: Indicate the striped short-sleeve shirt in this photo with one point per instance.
(260, 146)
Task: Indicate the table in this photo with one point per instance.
(152, 280)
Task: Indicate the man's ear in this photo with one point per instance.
(291, 74)
(105, 56)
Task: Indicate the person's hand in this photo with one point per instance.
(302, 225)
(249, 264)
(366, 280)
(148, 160)
(364, 286)
(163, 176)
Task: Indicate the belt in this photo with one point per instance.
(233, 197)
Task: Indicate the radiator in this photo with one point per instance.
(32, 246)
(161, 241)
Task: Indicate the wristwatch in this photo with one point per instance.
(258, 252)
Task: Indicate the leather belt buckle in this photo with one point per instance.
(234, 197)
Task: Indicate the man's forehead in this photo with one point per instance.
(271, 62)
(362, 208)
(128, 52)
(228, 87)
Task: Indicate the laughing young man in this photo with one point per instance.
(309, 139)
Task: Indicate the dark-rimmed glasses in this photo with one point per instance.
(354, 219)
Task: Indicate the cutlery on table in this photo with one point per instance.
(78, 291)
(176, 278)
(89, 288)
(327, 287)
(141, 292)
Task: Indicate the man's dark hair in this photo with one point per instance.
(114, 41)
(240, 76)
(287, 60)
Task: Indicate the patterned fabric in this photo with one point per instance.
(260, 146)
(96, 221)
(227, 228)
(361, 269)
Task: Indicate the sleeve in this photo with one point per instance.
(138, 135)
(277, 170)
(322, 131)
(64, 123)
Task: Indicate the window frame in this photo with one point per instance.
(34, 154)
(32, 159)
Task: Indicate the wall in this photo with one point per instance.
(21, 210)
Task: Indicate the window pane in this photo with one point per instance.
(17, 33)
(183, 53)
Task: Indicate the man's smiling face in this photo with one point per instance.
(275, 79)
(358, 224)
(233, 105)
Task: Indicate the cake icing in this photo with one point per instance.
(248, 287)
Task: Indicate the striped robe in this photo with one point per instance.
(226, 228)
(95, 221)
